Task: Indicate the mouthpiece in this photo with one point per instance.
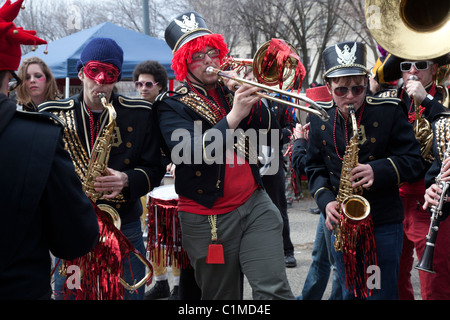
(413, 77)
(210, 70)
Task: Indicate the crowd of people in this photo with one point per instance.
(233, 214)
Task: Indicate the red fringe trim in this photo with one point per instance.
(164, 234)
(358, 236)
(103, 267)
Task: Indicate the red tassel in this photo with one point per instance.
(102, 268)
(358, 236)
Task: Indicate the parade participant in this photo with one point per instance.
(435, 286)
(39, 85)
(43, 205)
(229, 223)
(150, 79)
(382, 154)
(420, 91)
(134, 167)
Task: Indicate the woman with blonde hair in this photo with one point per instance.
(38, 84)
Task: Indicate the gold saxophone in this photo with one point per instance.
(99, 162)
(354, 206)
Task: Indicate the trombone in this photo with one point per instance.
(315, 108)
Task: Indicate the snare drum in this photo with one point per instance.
(164, 230)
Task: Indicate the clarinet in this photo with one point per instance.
(426, 262)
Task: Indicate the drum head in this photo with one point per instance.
(166, 192)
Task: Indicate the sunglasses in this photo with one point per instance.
(342, 91)
(201, 55)
(102, 73)
(419, 65)
(14, 82)
(147, 84)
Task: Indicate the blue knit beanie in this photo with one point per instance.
(103, 50)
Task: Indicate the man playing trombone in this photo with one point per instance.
(229, 224)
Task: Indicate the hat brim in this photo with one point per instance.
(344, 72)
(189, 37)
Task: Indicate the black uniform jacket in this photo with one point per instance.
(135, 148)
(185, 122)
(441, 138)
(43, 205)
(387, 144)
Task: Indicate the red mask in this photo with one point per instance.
(102, 73)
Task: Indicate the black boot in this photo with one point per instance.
(174, 294)
(160, 290)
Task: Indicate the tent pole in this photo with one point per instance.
(67, 87)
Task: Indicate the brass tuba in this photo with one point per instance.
(409, 29)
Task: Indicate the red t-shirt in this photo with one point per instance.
(239, 185)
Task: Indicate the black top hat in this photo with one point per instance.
(345, 59)
(185, 28)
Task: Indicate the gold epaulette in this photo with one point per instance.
(325, 104)
(56, 104)
(382, 100)
(134, 103)
(390, 93)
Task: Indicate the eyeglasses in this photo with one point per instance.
(201, 55)
(103, 73)
(14, 81)
(342, 91)
(406, 66)
(147, 84)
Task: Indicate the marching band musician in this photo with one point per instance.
(436, 285)
(229, 223)
(388, 155)
(135, 166)
(419, 88)
(43, 204)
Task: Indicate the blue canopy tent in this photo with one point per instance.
(64, 53)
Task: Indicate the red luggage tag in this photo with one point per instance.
(215, 250)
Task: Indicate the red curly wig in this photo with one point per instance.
(182, 57)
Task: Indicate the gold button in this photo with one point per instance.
(118, 206)
(200, 191)
(126, 161)
(371, 158)
(373, 140)
(375, 124)
(322, 127)
(324, 142)
(198, 173)
(130, 129)
(129, 144)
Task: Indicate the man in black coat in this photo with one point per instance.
(43, 205)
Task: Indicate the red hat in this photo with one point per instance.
(11, 37)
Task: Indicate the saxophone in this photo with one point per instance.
(350, 202)
(99, 162)
(354, 230)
